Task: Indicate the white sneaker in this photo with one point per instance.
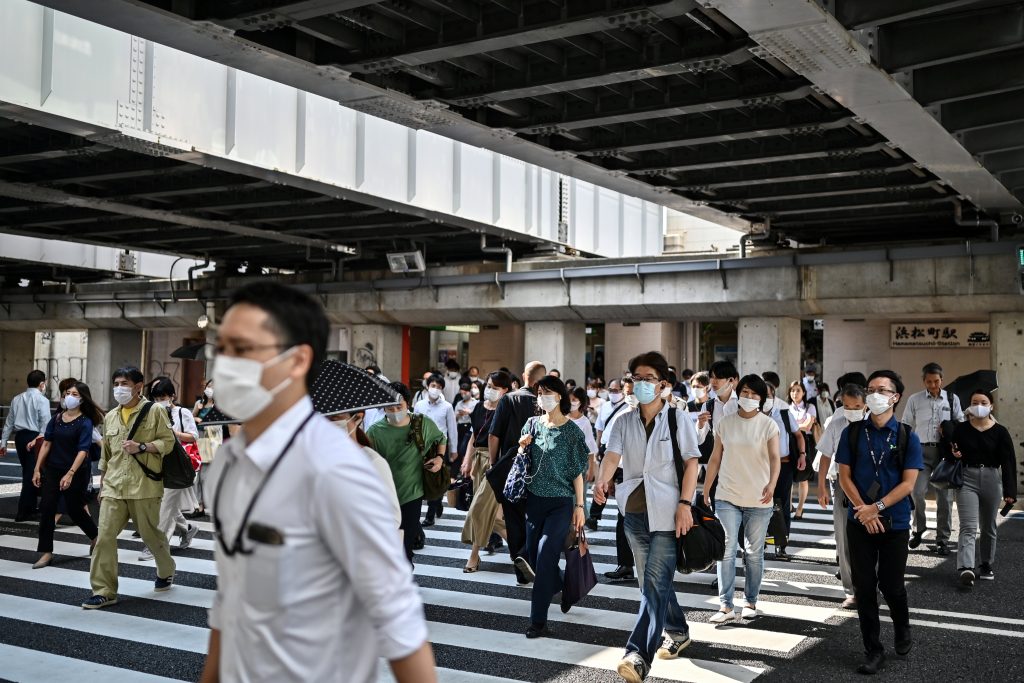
(750, 612)
(724, 617)
(186, 538)
(146, 555)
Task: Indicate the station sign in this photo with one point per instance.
(945, 335)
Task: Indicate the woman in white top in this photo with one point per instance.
(578, 402)
(352, 424)
(183, 424)
(745, 462)
(594, 400)
(805, 415)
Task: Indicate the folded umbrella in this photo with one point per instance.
(193, 351)
(965, 385)
(343, 388)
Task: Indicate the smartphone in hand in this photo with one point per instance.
(1006, 509)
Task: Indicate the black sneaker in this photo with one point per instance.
(620, 573)
(781, 555)
(163, 585)
(673, 645)
(874, 663)
(537, 631)
(98, 602)
(915, 540)
(985, 572)
(591, 523)
(525, 569)
(941, 548)
(427, 522)
(904, 646)
(967, 578)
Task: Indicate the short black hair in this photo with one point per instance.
(293, 316)
(854, 391)
(651, 359)
(857, 378)
(673, 379)
(687, 374)
(552, 383)
(755, 384)
(555, 372)
(161, 386)
(580, 394)
(434, 378)
(893, 377)
(772, 378)
(402, 391)
(129, 372)
(723, 369)
(501, 379)
(931, 369)
(983, 392)
(451, 364)
(35, 378)
(375, 369)
(465, 386)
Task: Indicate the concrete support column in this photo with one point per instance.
(107, 351)
(557, 345)
(770, 344)
(1007, 331)
(689, 345)
(498, 346)
(623, 341)
(378, 345)
(16, 361)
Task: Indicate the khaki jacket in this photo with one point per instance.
(122, 476)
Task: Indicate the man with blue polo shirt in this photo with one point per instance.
(879, 460)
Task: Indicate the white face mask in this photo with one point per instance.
(853, 415)
(71, 402)
(123, 395)
(475, 393)
(575, 405)
(242, 396)
(980, 412)
(492, 395)
(749, 404)
(591, 393)
(434, 393)
(700, 393)
(208, 392)
(397, 416)
(547, 403)
(615, 398)
(632, 401)
(603, 394)
(165, 404)
(877, 403)
(453, 375)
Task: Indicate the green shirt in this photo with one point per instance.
(398, 448)
(558, 456)
(122, 476)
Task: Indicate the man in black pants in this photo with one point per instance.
(879, 460)
(26, 421)
(513, 410)
(624, 560)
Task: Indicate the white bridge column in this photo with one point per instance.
(770, 344)
(1007, 330)
(559, 346)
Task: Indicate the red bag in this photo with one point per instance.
(192, 451)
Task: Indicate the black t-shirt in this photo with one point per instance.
(513, 411)
(481, 419)
(67, 439)
(991, 448)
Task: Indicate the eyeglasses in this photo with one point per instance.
(211, 351)
(879, 390)
(645, 378)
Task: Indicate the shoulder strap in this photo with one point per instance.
(416, 431)
(852, 434)
(139, 418)
(902, 437)
(615, 410)
(677, 456)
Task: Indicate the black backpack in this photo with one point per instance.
(708, 446)
(704, 544)
(178, 472)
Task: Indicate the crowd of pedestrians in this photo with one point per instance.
(322, 582)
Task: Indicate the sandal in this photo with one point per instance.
(471, 570)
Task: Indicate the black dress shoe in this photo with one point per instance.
(903, 647)
(620, 573)
(941, 548)
(781, 555)
(591, 523)
(537, 631)
(427, 522)
(873, 664)
(915, 540)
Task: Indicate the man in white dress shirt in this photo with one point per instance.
(313, 584)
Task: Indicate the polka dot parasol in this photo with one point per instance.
(343, 388)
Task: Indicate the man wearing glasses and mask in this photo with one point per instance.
(313, 584)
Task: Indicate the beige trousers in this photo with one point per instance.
(114, 516)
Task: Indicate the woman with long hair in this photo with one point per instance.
(352, 424)
(63, 467)
(805, 415)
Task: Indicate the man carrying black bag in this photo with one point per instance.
(656, 509)
(514, 409)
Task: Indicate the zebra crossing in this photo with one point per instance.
(476, 620)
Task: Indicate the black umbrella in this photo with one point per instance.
(965, 385)
(194, 351)
(344, 388)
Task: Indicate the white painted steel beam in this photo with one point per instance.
(65, 72)
(814, 44)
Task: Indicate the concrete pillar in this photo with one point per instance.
(557, 345)
(16, 361)
(378, 345)
(107, 351)
(622, 341)
(1007, 332)
(770, 344)
(689, 346)
(496, 346)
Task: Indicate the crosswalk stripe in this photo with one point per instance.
(32, 666)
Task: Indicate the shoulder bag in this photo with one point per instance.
(704, 544)
(177, 466)
(948, 474)
(519, 476)
(435, 484)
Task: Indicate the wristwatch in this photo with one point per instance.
(142, 448)
(683, 501)
(880, 505)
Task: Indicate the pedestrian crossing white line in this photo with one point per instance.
(449, 676)
(32, 666)
(595, 656)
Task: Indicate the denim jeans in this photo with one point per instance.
(655, 554)
(755, 526)
(547, 524)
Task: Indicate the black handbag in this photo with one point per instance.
(580, 577)
(948, 474)
(177, 471)
(777, 528)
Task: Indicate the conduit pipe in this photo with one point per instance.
(503, 249)
(993, 226)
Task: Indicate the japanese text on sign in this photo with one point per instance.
(939, 335)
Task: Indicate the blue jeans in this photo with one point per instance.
(755, 527)
(655, 554)
(547, 524)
